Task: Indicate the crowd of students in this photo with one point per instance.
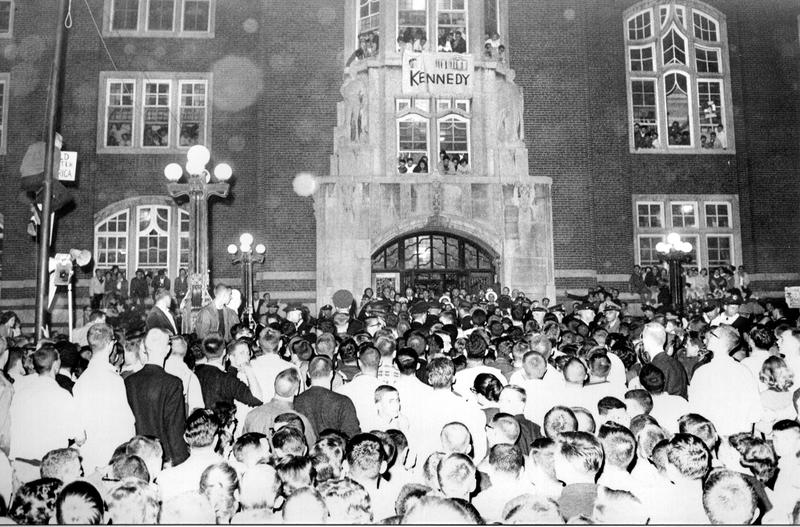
(451, 163)
(404, 408)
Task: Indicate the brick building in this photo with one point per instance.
(262, 84)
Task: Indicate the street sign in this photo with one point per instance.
(66, 170)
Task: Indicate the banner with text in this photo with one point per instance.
(438, 74)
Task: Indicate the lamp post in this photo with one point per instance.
(675, 251)
(246, 254)
(200, 188)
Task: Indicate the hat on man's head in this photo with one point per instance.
(611, 306)
(327, 307)
(585, 306)
(419, 308)
(294, 306)
(557, 307)
(709, 306)
(733, 300)
(272, 303)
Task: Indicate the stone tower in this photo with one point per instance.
(426, 79)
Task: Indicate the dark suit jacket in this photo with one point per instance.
(675, 376)
(156, 399)
(218, 385)
(328, 409)
(208, 322)
(157, 319)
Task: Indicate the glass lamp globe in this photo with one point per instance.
(662, 247)
(260, 248)
(686, 247)
(223, 172)
(673, 238)
(246, 239)
(232, 249)
(173, 172)
(198, 154)
(195, 168)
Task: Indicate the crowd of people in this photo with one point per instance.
(646, 136)
(482, 407)
(451, 163)
(651, 283)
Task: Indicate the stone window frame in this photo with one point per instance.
(139, 79)
(178, 22)
(11, 8)
(701, 232)
(360, 30)
(178, 217)
(658, 30)
(5, 92)
(408, 108)
(464, 30)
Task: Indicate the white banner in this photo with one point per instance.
(438, 74)
(792, 295)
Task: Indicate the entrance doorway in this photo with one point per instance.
(435, 261)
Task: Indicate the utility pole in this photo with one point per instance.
(54, 96)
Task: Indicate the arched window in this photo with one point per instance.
(678, 78)
(142, 233)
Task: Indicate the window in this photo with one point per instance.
(678, 85)
(709, 222)
(146, 18)
(451, 125)
(6, 18)
(150, 233)
(684, 215)
(491, 17)
(647, 249)
(718, 215)
(452, 26)
(153, 114)
(369, 17)
(152, 237)
(111, 241)
(719, 250)
(412, 21)
(4, 83)
(650, 215)
(642, 59)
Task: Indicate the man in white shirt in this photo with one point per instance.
(413, 392)
(506, 468)
(476, 354)
(366, 463)
(361, 390)
(723, 391)
(44, 417)
(761, 341)
(443, 407)
(268, 364)
(681, 502)
(619, 446)
(789, 346)
(201, 436)
(102, 401)
(540, 383)
(667, 409)
(175, 365)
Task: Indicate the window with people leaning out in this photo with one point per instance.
(433, 125)
(678, 78)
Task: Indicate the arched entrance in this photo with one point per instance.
(435, 261)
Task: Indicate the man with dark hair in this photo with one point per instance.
(218, 384)
(101, 399)
(156, 399)
(160, 315)
(729, 499)
(477, 346)
(578, 459)
(667, 409)
(366, 461)
(413, 392)
(324, 408)
(361, 389)
(760, 340)
(688, 461)
(216, 318)
(507, 472)
(611, 409)
(44, 417)
(262, 419)
(201, 434)
(444, 406)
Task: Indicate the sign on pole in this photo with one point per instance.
(792, 295)
(66, 170)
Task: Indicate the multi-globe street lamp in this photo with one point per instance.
(675, 251)
(246, 254)
(199, 186)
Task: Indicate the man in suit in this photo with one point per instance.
(216, 318)
(160, 316)
(156, 399)
(324, 407)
